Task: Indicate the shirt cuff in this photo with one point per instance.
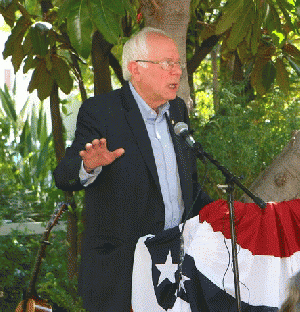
(88, 178)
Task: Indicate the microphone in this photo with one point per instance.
(182, 129)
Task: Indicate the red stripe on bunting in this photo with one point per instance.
(273, 231)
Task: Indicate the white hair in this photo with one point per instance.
(137, 48)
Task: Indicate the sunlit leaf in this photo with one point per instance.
(106, 22)
(278, 37)
(273, 20)
(80, 28)
(283, 5)
(241, 26)
(230, 14)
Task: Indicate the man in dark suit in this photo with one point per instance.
(139, 177)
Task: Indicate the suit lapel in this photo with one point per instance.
(181, 151)
(139, 131)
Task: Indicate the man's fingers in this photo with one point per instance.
(96, 142)
(102, 143)
(88, 146)
(118, 152)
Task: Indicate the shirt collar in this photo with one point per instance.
(146, 111)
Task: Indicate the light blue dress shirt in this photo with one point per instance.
(165, 160)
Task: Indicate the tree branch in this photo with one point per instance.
(201, 52)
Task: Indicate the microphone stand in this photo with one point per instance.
(229, 187)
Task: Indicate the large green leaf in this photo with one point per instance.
(7, 10)
(230, 13)
(38, 33)
(268, 75)
(106, 21)
(256, 75)
(282, 76)
(256, 32)
(241, 26)
(115, 6)
(128, 7)
(16, 37)
(61, 74)
(64, 10)
(80, 28)
(272, 19)
(41, 80)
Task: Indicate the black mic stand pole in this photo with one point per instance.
(229, 187)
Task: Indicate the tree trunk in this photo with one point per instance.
(280, 181)
(100, 59)
(172, 16)
(59, 145)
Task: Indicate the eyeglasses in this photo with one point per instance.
(166, 65)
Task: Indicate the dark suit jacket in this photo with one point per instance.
(125, 201)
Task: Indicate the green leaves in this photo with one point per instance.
(60, 73)
(43, 77)
(282, 76)
(80, 28)
(84, 16)
(13, 46)
(230, 14)
(39, 38)
(241, 26)
(268, 75)
(8, 104)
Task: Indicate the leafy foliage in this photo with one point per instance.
(18, 253)
(245, 136)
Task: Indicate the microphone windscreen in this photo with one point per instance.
(180, 127)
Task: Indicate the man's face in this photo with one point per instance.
(155, 84)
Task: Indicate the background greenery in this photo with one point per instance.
(245, 138)
(53, 42)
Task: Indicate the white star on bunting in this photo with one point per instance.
(167, 270)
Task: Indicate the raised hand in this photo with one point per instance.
(96, 154)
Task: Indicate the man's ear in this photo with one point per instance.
(134, 70)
